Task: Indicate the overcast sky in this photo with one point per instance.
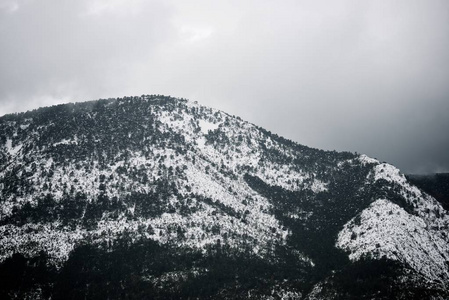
(365, 76)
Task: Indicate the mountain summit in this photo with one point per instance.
(157, 197)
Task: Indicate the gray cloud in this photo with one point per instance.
(365, 76)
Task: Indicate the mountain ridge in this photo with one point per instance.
(168, 172)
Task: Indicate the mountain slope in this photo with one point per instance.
(436, 185)
(106, 179)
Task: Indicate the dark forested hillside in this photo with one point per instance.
(436, 185)
(154, 197)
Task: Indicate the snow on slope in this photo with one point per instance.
(56, 240)
(218, 150)
(252, 222)
(203, 227)
(10, 149)
(385, 229)
(425, 206)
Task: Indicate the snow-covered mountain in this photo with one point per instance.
(86, 183)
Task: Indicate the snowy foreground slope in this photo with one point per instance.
(155, 176)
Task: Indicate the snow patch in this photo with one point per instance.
(67, 142)
(205, 126)
(12, 150)
(364, 159)
(384, 229)
(29, 239)
(389, 173)
(318, 186)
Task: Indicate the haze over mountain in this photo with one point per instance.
(364, 76)
(158, 197)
